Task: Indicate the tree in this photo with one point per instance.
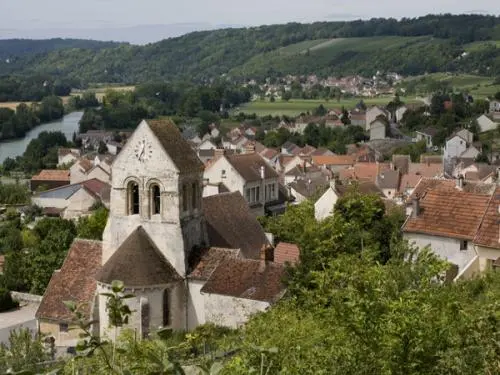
(102, 148)
(6, 301)
(24, 353)
(320, 110)
(92, 227)
(497, 95)
(286, 96)
(272, 99)
(345, 117)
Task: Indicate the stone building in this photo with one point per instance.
(170, 246)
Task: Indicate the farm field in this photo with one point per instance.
(296, 106)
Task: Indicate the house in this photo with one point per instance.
(304, 171)
(270, 155)
(187, 260)
(85, 169)
(321, 151)
(49, 179)
(207, 144)
(303, 189)
(494, 106)
(248, 174)
(426, 135)
(358, 119)
(307, 150)
(73, 201)
(113, 147)
(457, 143)
(388, 182)
(373, 113)
(213, 130)
(333, 162)
(400, 113)
(362, 172)
(66, 156)
(486, 124)
(473, 171)
(289, 148)
(415, 172)
(286, 163)
(449, 219)
(92, 138)
(323, 207)
(363, 153)
(378, 128)
(213, 189)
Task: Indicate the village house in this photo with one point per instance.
(388, 182)
(85, 169)
(270, 155)
(187, 260)
(362, 172)
(458, 143)
(378, 128)
(373, 113)
(426, 135)
(486, 124)
(456, 219)
(400, 112)
(248, 174)
(323, 207)
(303, 189)
(66, 156)
(473, 171)
(358, 119)
(49, 179)
(113, 147)
(334, 163)
(289, 148)
(285, 252)
(92, 138)
(73, 201)
(494, 106)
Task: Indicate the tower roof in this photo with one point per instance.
(138, 262)
(179, 150)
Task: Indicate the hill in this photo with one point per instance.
(12, 48)
(409, 46)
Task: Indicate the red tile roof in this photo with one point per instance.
(488, 233)
(205, 261)
(250, 279)
(363, 171)
(74, 282)
(52, 175)
(449, 213)
(286, 252)
(333, 160)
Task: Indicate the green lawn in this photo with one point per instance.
(295, 106)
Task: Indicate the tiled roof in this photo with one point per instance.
(74, 282)
(85, 164)
(286, 252)
(269, 153)
(52, 175)
(363, 171)
(322, 151)
(249, 165)
(449, 213)
(307, 150)
(426, 169)
(181, 153)
(488, 233)
(138, 262)
(428, 184)
(401, 163)
(66, 151)
(307, 188)
(333, 160)
(94, 186)
(250, 279)
(388, 179)
(409, 181)
(364, 187)
(230, 224)
(203, 262)
(431, 159)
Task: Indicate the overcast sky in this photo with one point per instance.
(22, 17)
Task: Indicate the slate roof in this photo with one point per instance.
(286, 252)
(308, 187)
(138, 262)
(250, 279)
(364, 187)
(248, 166)
(202, 262)
(449, 213)
(52, 175)
(94, 186)
(488, 232)
(401, 163)
(230, 224)
(388, 179)
(74, 282)
(177, 148)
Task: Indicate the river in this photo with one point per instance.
(68, 125)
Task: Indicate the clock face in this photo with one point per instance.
(143, 150)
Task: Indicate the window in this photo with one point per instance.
(463, 245)
(194, 196)
(185, 203)
(155, 199)
(63, 327)
(166, 308)
(253, 195)
(133, 198)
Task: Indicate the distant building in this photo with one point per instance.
(50, 179)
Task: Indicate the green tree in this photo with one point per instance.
(92, 227)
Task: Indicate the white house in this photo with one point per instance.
(67, 156)
(486, 124)
(377, 129)
(186, 259)
(494, 106)
(457, 143)
(372, 113)
(248, 174)
(400, 113)
(207, 144)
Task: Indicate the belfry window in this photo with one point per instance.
(133, 198)
(155, 199)
(166, 308)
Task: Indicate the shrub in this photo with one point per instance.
(6, 301)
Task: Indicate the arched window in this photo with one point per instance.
(194, 196)
(133, 198)
(154, 192)
(166, 308)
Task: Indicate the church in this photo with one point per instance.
(186, 259)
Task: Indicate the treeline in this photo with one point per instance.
(32, 88)
(15, 124)
(122, 110)
(201, 56)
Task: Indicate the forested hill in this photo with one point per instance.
(468, 43)
(12, 48)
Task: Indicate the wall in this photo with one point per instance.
(446, 248)
(299, 198)
(196, 304)
(231, 311)
(470, 153)
(76, 174)
(377, 131)
(389, 193)
(154, 296)
(486, 256)
(454, 147)
(49, 202)
(51, 328)
(100, 174)
(233, 181)
(371, 115)
(78, 204)
(324, 205)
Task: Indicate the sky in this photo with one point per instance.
(143, 19)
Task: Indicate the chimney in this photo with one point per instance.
(262, 172)
(416, 207)
(266, 254)
(460, 182)
(250, 148)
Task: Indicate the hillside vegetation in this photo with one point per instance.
(409, 46)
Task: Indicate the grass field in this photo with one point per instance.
(296, 106)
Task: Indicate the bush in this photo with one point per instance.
(6, 301)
